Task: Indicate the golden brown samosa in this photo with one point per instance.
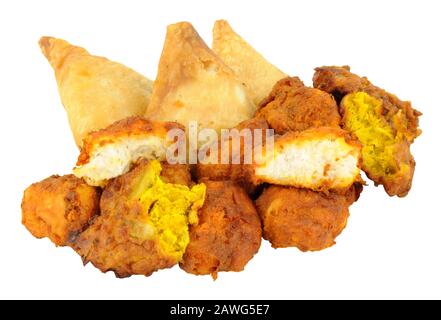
(193, 84)
(94, 90)
(250, 66)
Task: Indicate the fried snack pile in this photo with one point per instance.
(385, 125)
(94, 90)
(128, 209)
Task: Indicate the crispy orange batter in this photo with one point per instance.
(303, 218)
(385, 125)
(238, 172)
(291, 106)
(228, 234)
(119, 240)
(59, 208)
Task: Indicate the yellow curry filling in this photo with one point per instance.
(363, 116)
(170, 209)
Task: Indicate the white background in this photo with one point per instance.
(391, 246)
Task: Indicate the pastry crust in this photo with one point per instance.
(193, 84)
(249, 65)
(95, 91)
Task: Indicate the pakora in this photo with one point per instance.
(302, 218)
(109, 152)
(144, 221)
(59, 207)
(291, 106)
(228, 233)
(385, 126)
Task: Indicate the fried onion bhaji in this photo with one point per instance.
(385, 126)
(321, 159)
(303, 218)
(144, 221)
(228, 234)
(109, 152)
(235, 168)
(291, 106)
(59, 207)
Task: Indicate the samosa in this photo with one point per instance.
(249, 65)
(94, 90)
(193, 84)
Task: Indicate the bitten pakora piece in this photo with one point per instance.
(109, 152)
(59, 207)
(228, 234)
(385, 126)
(144, 221)
(320, 159)
(291, 106)
(303, 218)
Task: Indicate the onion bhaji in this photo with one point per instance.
(59, 207)
(145, 215)
(228, 233)
(302, 218)
(385, 126)
(291, 106)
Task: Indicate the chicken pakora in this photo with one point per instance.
(320, 159)
(385, 126)
(109, 152)
(59, 207)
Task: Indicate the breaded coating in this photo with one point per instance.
(302, 218)
(228, 234)
(319, 159)
(237, 171)
(95, 91)
(385, 126)
(109, 152)
(59, 207)
(144, 220)
(291, 106)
